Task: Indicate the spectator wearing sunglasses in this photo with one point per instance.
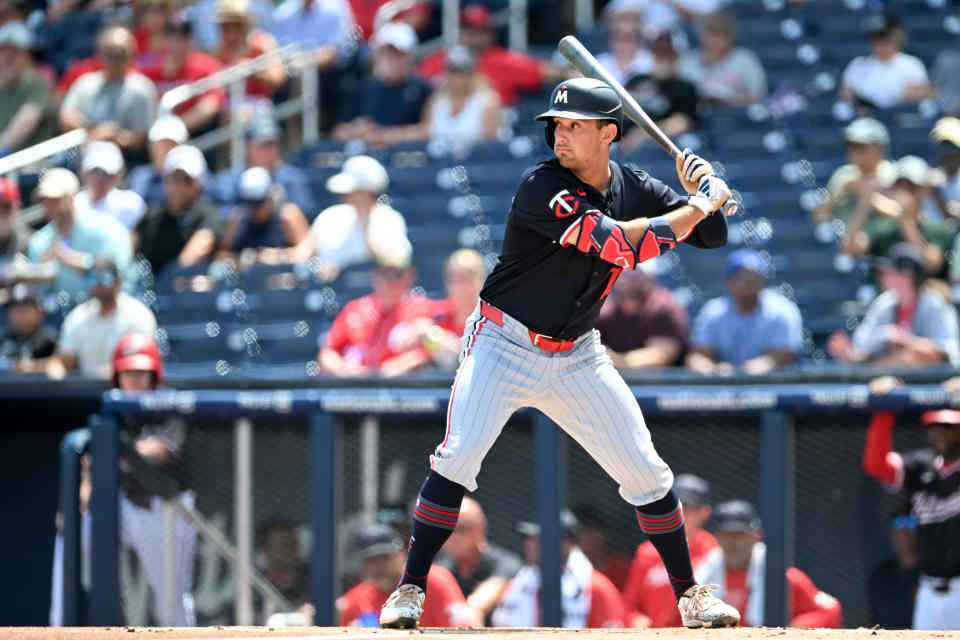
(263, 223)
(642, 324)
(183, 229)
(90, 332)
(752, 329)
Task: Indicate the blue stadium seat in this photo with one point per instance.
(290, 305)
(202, 342)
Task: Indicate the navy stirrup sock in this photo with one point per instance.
(662, 522)
(434, 517)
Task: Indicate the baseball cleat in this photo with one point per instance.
(403, 608)
(700, 608)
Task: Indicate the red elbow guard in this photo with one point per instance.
(602, 237)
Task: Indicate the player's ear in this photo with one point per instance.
(608, 133)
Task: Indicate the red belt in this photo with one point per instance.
(539, 340)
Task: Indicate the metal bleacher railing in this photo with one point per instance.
(234, 77)
(773, 421)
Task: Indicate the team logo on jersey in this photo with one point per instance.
(564, 204)
(561, 95)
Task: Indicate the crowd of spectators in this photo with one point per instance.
(477, 583)
(148, 199)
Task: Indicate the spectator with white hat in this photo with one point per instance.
(116, 103)
(946, 197)
(851, 186)
(901, 218)
(184, 228)
(263, 222)
(102, 172)
(388, 106)
(147, 180)
(73, 236)
(362, 227)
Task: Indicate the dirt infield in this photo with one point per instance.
(340, 633)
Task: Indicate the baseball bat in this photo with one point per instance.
(584, 62)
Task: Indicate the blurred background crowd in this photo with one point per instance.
(362, 253)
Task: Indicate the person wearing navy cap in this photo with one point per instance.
(752, 329)
(738, 566)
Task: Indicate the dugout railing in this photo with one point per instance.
(794, 450)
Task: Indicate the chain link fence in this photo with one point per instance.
(247, 483)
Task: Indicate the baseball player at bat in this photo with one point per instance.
(577, 221)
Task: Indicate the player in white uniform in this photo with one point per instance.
(147, 482)
(575, 224)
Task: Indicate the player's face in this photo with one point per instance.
(945, 440)
(737, 547)
(135, 380)
(580, 144)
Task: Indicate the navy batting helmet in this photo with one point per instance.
(583, 99)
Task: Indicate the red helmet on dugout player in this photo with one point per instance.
(137, 352)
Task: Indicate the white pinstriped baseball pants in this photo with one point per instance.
(501, 371)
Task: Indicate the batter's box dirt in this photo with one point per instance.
(340, 633)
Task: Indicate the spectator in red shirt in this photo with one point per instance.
(508, 72)
(648, 593)
(589, 599)
(239, 42)
(181, 64)
(440, 332)
(369, 334)
(383, 558)
(642, 324)
(738, 567)
(151, 17)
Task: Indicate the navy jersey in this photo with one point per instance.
(558, 291)
(934, 491)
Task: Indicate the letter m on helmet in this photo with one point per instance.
(561, 96)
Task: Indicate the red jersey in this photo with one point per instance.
(444, 315)
(74, 71)
(606, 604)
(361, 332)
(648, 589)
(361, 604)
(197, 65)
(508, 72)
(617, 568)
(147, 55)
(81, 67)
(810, 608)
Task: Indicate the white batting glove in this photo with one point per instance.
(692, 170)
(711, 195)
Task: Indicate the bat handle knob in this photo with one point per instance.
(730, 207)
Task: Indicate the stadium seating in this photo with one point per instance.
(776, 158)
